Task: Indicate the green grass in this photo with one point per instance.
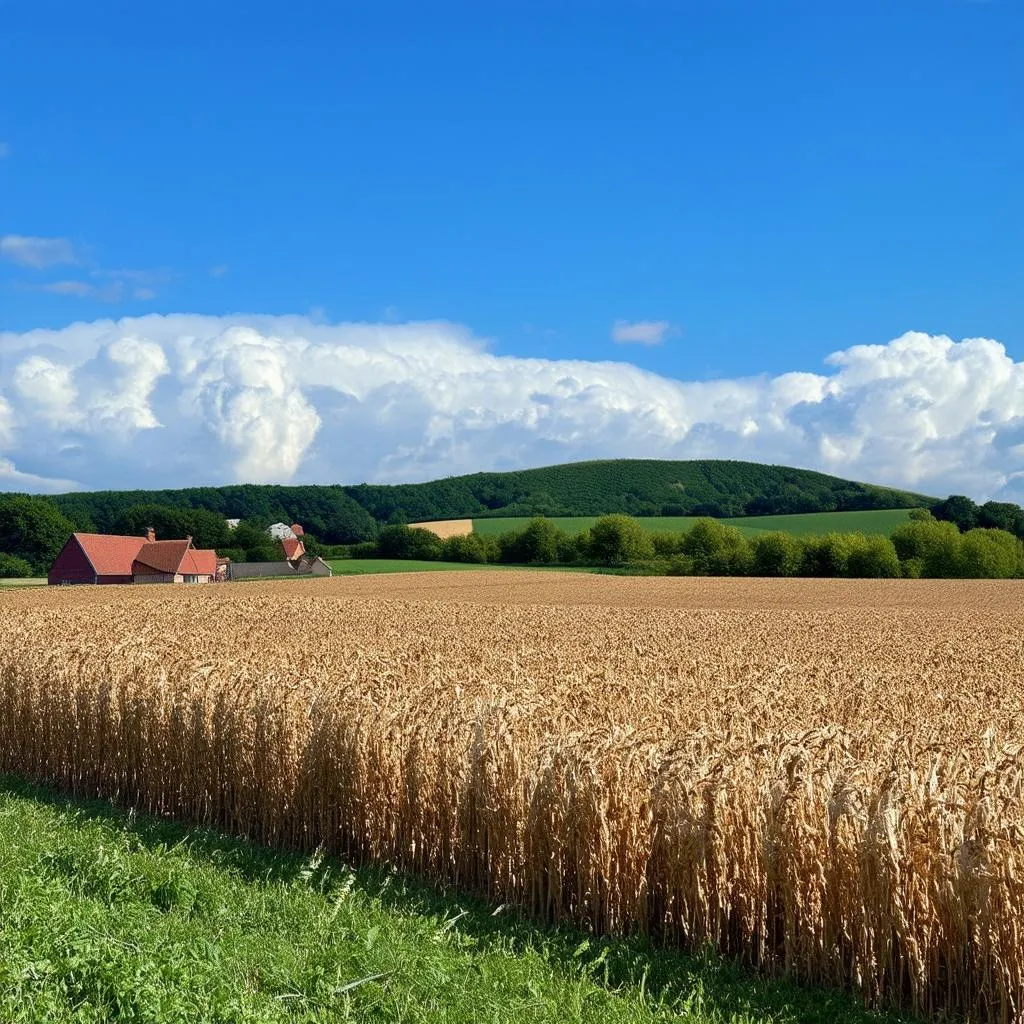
(368, 566)
(108, 917)
(812, 523)
(880, 521)
(27, 581)
(371, 566)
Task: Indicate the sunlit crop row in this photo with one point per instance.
(823, 777)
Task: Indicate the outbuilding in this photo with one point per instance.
(106, 558)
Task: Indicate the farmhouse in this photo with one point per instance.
(289, 539)
(104, 558)
(282, 531)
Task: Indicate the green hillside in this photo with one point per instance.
(879, 522)
(640, 487)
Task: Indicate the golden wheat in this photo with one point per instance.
(445, 528)
(822, 777)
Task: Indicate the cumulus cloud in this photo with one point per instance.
(640, 332)
(48, 389)
(6, 422)
(183, 400)
(37, 253)
(246, 387)
(124, 377)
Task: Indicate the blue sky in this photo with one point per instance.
(745, 186)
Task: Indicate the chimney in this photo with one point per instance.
(150, 534)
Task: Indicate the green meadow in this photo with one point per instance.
(372, 566)
(881, 522)
(107, 917)
(364, 566)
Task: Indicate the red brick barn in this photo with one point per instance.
(174, 561)
(101, 558)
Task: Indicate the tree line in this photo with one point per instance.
(327, 511)
(922, 547)
(640, 487)
(34, 529)
(968, 515)
(956, 538)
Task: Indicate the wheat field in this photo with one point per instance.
(445, 528)
(820, 777)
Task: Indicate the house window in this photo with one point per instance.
(191, 579)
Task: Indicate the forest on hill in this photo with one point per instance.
(639, 487)
(34, 528)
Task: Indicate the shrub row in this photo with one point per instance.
(922, 547)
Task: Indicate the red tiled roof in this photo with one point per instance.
(297, 530)
(203, 562)
(110, 556)
(163, 555)
(293, 549)
(123, 556)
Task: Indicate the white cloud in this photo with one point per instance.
(80, 289)
(245, 387)
(111, 292)
(13, 480)
(5, 150)
(104, 285)
(641, 332)
(182, 400)
(128, 372)
(37, 253)
(6, 422)
(219, 270)
(111, 288)
(47, 388)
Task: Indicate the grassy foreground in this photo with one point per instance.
(881, 522)
(104, 917)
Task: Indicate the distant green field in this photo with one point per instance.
(881, 521)
(809, 524)
(364, 566)
(371, 566)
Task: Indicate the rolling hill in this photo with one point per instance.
(641, 487)
(644, 487)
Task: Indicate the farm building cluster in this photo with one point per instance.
(105, 558)
(295, 561)
(97, 558)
